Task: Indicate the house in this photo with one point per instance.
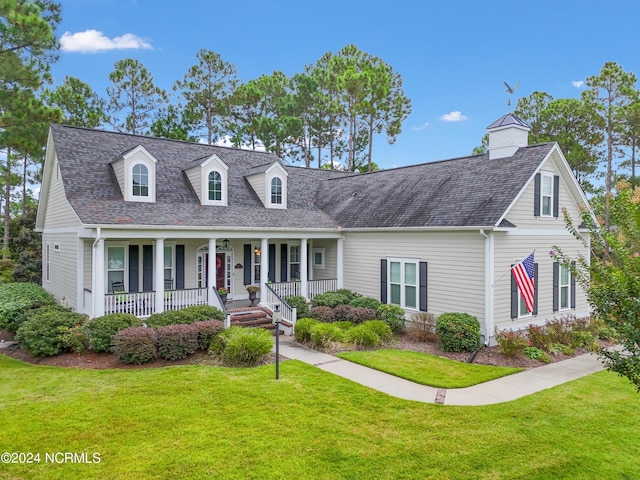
(147, 224)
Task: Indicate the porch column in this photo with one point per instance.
(158, 275)
(211, 278)
(304, 264)
(98, 278)
(264, 268)
(310, 259)
(340, 263)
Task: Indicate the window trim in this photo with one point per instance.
(125, 269)
(546, 176)
(141, 186)
(403, 285)
(322, 253)
(276, 195)
(290, 246)
(206, 186)
(48, 263)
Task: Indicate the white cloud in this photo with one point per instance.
(225, 141)
(578, 83)
(93, 41)
(421, 127)
(454, 116)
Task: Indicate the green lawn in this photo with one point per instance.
(203, 422)
(427, 369)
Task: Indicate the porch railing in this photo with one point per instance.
(177, 299)
(140, 304)
(314, 287)
(287, 312)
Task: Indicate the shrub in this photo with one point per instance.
(302, 309)
(22, 317)
(422, 326)
(302, 329)
(196, 313)
(366, 302)
(583, 339)
(335, 298)
(344, 325)
(242, 346)
(324, 334)
(537, 354)
(381, 328)
(40, 334)
(101, 330)
(364, 336)
(207, 330)
(538, 337)
(560, 330)
(342, 312)
(511, 342)
(16, 298)
(393, 315)
(174, 342)
(322, 314)
(458, 332)
(601, 331)
(73, 339)
(353, 314)
(561, 348)
(135, 345)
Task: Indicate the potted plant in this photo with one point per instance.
(223, 292)
(253, 290)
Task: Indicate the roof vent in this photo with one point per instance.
(506, 135)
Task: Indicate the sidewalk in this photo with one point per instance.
(500, 390)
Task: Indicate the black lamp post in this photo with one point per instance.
(276, 320)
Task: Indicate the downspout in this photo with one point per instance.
(93, 271)
(488, 285)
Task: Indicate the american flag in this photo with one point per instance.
(524, 273)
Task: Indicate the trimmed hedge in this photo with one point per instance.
(302, 309)
(17, 298)
(196, 313)
(207, 330)
(322, 313)
(458, 332)
(42, 333)
(335, 298)
(175, 342)
(102, 330)
(135, 345)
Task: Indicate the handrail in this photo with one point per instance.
(287, 312)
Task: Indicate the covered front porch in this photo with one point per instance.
(144, 276)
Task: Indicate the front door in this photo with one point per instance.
(220, 270)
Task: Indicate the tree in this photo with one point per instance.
(172, 123)
(207, 89)
(27, 245)
(79, 104)
(631, 137)
(135, 95)
(611, 277)
(609, 93)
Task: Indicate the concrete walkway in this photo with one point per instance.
(500, 390)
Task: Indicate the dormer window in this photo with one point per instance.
(215, 186)
(140, 178)
(276, 191)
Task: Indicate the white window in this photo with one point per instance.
(564, 288)
(403, 283)
(48, 263)
(257, 260)
(276, 191)
(115, 269)
(522, 311)
(318, 258)
(546, 196)
(294, 262)
(215, 186)
(140, 178)
(168, 268)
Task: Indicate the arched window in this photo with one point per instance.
(215, 186)
(276, 191)
(140, 181)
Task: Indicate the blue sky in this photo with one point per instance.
(453, 56)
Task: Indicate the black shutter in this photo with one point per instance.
(423, 287)
(515, 301)
(147, 268)
(556, 195)
(284, 251)
(134, 268)
(573, 286)
(536, 195)
(272, 262)
(179, 267)
(535, 289)
(247, 264)
(556, 285)
(383, 280)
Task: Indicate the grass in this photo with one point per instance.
(201, 422)
(427, 369)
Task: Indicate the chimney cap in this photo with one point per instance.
(509, 119)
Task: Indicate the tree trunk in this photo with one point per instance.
(7, 205)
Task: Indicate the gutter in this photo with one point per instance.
(488, 284)
(93, 270)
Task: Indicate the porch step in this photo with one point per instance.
(251, 317)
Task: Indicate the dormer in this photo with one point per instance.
(506, 135)
(209, 178)
(270, 184)
(136, 173)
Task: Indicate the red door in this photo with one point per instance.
(220, 273)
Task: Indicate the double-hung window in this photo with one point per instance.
(215, 186)
(403, 283)
(276, 191)
(115, 267)
(140, 179)
(564, 288)
(546, 196)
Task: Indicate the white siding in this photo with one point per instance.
(62, 268)
(59, 210)
(330, 260)
(194, 176)
(257, 182)
(455, 266)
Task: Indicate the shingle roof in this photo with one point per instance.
(509, 119)
(462, 192)
(468, 191)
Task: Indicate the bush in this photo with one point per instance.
(101, 330)
(302, 329)
(207, 330)
(458, 332)
(16, 298)
(302, 309)
(538, 337)
(322, 314)
(366, 302)
(364, 336)
(242, 346)
(74, 339)
(422, 327)
(41, 335)
(381, 328)
(393, 315)
(354, 314)
(583, 339)
(344, 325)
(324, 334)
(135, 345)
(196, 313)
(537, 354)
(335, 298)
(174, 342)
(22, 317)
(511, 342)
